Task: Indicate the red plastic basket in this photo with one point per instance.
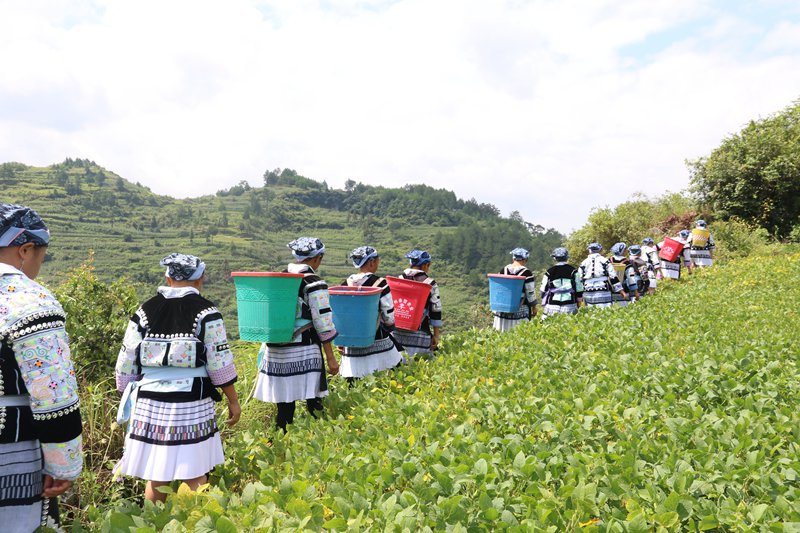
(670, 250)
(409, 298)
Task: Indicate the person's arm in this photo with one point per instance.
(333, 364)
(234, 409)
(435, 315)
(43, 357)
(127, 368)
(318, 300)
(577, 286)
(219, 362)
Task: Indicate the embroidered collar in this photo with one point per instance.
(300, 268)
(5, 268)
(176, 292)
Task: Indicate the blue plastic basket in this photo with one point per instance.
(505, 292)
(355, 315)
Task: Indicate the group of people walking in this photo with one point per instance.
(175, 361)
(601, 281)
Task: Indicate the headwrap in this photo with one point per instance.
(595, 247)
(635, 249)
(182, 267)
(701, 223)
(20, 225)
(306, 247)
(684, 233)
(618, 249)
(362, 255)
(418, 257)
(648, 240)
(520, 253)
(560, 253)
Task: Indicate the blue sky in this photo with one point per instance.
(549, 108)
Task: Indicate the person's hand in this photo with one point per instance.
(333, 366)
(54, 487)
(234, 413)
(624, 295)
(434, 342)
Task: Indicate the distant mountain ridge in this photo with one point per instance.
(246, 228)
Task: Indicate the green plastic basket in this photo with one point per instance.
(266, 304)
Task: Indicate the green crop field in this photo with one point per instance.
(681, 413)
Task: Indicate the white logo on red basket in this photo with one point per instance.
(404, 306)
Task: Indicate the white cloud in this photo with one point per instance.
(545, 107)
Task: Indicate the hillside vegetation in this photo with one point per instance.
(129, 228)
(679, 413)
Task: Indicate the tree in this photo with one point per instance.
(754, 175)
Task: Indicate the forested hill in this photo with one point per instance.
(129, 228)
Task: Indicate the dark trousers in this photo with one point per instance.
(285, 414)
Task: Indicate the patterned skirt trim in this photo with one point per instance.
(169, 440)
(291, 373)
(360, 362)
(22, 508)
(551, 309)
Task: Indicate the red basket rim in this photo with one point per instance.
(266, 275)
(355, 291)
(404, 280)
(507, 276)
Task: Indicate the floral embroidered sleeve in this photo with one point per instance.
(529, 288)
(127, 368)
(219, 358)
(318, 301)
(42, 353)
(577, 284)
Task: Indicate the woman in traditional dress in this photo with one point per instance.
(672, 269)
(626, 275)
(562, 286)
(174, 356)
(701, 244)
(640, 270)
(426, 338)
(294, 371)
(40, 420)
(383, 353)
(599, 279)
(686, 254)
(650, 255)
(527, 302)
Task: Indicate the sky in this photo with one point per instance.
(549, 108)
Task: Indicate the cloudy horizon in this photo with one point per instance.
(549, 108)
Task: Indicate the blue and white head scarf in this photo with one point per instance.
(684, 233)
(701, 223)
(618, 249)
(647, 240)
(418, 257)
(20, 225)
(362, 255)
(183, 267)
(520, 254)
(595, 247)
(306, 248)
(635, 249)
(560, 254)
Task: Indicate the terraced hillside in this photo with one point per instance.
(129, 229)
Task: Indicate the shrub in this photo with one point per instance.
(736, 238)
(97, 315)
